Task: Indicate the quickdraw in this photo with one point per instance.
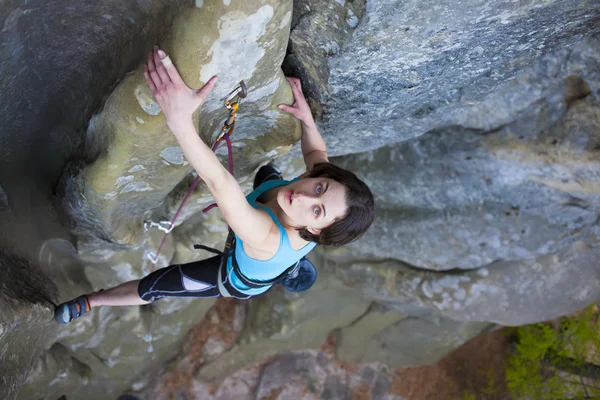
(240, 92)
(164, 226)
(232, 102)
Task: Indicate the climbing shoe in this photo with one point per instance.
(303, 278)
(66, 312)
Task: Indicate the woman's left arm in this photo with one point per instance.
(313, 146)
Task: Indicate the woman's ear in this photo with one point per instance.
(314, 231)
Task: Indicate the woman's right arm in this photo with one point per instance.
(178, 102)
(314, 149)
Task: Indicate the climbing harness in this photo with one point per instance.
(253, 284)
(232, 102)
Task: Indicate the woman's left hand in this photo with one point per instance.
(176, 100)
(300, 108)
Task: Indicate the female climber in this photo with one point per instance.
(274, 226)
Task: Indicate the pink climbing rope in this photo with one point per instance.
(191, 190)
(164, 239)
(226, 131)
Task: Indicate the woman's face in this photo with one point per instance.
(314, 203)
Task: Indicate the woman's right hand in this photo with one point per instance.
(300, 108)
(176, 100)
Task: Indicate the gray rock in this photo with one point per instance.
(517, 204)
(308, 373)
(505, 292)
(399, 340)
(414, 66)
(57, 73)
(476, 124)
(302, 374)
(3, 199)
(60, 59)
(463, 198)
(26, 298)
(319, 30)
(102, 352)
(282, 321)
(243, 43)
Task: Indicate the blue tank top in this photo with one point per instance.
(266, 270)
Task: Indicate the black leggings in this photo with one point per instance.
(196, 279)
(199, 278)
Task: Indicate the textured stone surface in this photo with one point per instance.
(463, 198)
(506, 292)
(302, 374)
(3, 199)
(315, 376)
(97, 356)
(59, 60)
(477, 126)
(56, 89)
(321, 374)
(398, 340)
(518, 205)
(282, 321)
(55, 74)
(319, 29)
(25, 296)
(412, 66)
(139, 161)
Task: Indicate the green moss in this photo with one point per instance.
(555, 361)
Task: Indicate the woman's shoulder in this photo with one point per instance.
(296, 242)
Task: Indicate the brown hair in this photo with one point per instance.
(360, 213)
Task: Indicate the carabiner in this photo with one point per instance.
(239, 91)
(164, 226)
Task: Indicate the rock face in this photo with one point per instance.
(57, 65)
(301, 374)
(519, 204)
(319, 30)
(123, 168)
(25, 296)
(412, 67)
(476, 125)
(140, 162)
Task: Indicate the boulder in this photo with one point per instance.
(516, 205)
(139, 162)
(26, 295)
(399, 340)
(413, 67)
(319, 30)
(100, 354)
(282, 321)
(507, 292)
(476, 124)
(462, 198)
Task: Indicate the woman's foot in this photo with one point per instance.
(66, 312)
